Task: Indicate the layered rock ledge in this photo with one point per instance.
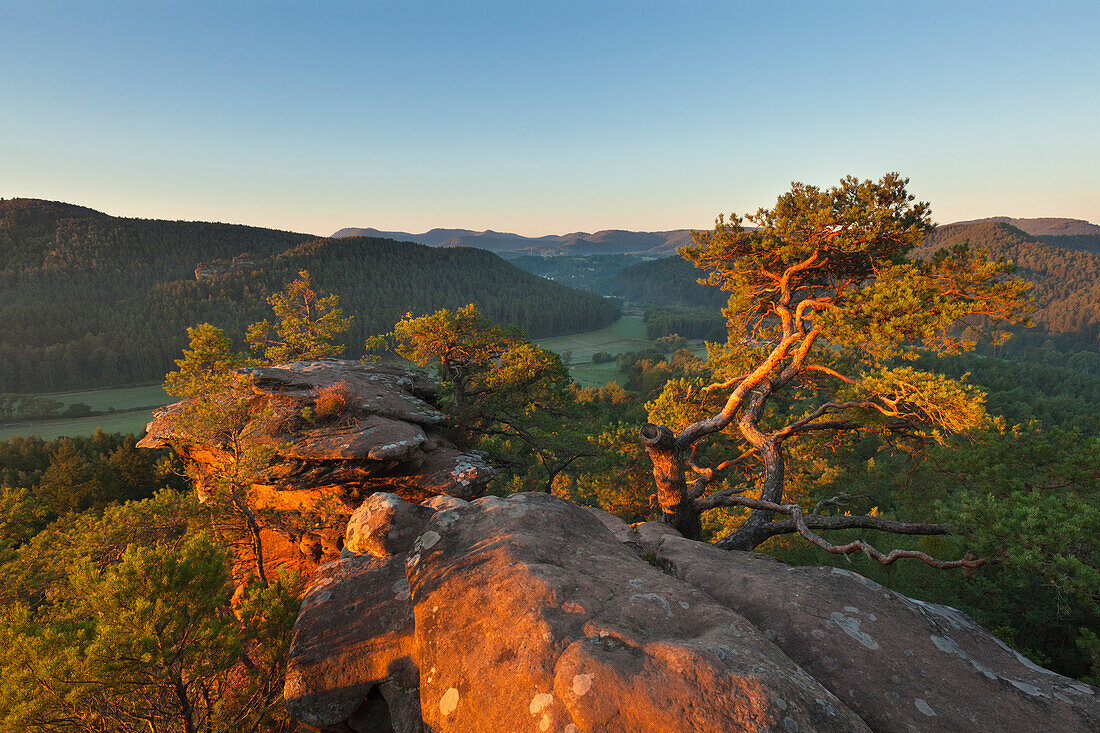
(340, 431)
(530, 613)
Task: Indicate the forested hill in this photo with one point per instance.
(669, 281)
(88, 299)
(1065, 270)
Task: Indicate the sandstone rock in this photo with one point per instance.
(387, 439)
(373, 437)
(354, 631)
(385, 524)
(902, 665)
(379, 389)
(530, 615)
(442, 502)
(619, 529)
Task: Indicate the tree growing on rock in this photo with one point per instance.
(307, 324)
(501, 390)
(824, 312)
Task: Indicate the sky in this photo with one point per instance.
(544, 117)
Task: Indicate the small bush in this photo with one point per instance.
(331, 401)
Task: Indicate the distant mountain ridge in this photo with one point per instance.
(1047, 226)
(660, 244)
(608, 241)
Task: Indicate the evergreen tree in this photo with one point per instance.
(822, 304)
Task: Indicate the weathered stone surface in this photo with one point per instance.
(374, 437)
(379, 389)
(902, 665)
(530, 615)
(442, 502)
(354, 630)
(385, 524)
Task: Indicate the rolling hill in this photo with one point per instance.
(88, 299)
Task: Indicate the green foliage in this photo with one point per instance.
(1053, 536)
(77, 474)
(671, 342)
(14, 407)
(123, 623)
(504, 393)
(939, 405)
(306, 327)
(204, 365)
(1066, 274)
(692, 323)
(669, 281)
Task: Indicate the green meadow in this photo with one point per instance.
(622, 337)
(127, 409)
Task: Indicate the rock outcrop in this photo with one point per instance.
(340, 431)
(532, 614)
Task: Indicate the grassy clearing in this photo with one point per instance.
(622, 337)
(118, 422)
(120, 399)
(131, 406)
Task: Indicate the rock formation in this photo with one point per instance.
(385, 433)
(530, 613)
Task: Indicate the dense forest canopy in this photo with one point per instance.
(89, 300)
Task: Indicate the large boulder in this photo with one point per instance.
(385, 524)
(902, 664)
(530, 615)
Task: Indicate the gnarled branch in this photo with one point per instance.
(800, 522)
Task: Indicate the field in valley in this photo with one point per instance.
(622, 337)
(128, 410)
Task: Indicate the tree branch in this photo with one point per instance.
(800, 522)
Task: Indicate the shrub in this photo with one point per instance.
(331, 401)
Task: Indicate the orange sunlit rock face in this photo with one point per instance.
(529, 615)
(340, 430)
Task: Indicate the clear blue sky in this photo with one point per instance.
(543, 117)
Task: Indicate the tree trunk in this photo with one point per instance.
(254, 530)
(668, 474)
(751, 533)
(185, 706)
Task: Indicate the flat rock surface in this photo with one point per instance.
(902, 665)
(530, 615)
(380, 389)
(374, 437)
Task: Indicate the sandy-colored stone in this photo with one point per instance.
(901, 664)
(387, 439)
(385, 524)
(354, 630)
(572, 628)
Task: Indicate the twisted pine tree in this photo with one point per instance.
(824, 312)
